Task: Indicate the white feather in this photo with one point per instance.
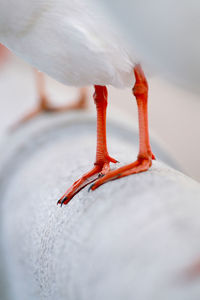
(72, 41)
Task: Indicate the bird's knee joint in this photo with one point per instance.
(140, 89)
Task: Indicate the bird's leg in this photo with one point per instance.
(4, 53)
(145, 156)
(102, 163)
(44, 106)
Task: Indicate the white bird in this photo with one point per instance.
(74, 42)
(69, 40)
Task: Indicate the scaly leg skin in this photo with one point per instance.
(102, 163)
(145, 156)
(46, 107)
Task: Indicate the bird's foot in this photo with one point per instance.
(98, 171)
(142, 164)
(46, 107)
(81, 103)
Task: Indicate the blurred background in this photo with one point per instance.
(173, 111)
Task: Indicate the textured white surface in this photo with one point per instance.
(130, 239)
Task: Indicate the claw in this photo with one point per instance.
(113, 160)
(61, 201)
(90, 188)
(153, 157)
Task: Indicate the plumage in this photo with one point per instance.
(71, 41)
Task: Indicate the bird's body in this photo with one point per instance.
(71, 41)
(75, 42)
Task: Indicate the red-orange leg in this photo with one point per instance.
(145, 156)
(102, 163)
(44, 105)
(4, 53)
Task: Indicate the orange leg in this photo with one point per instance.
(145, 156)
(4, 53)
(102, 163)
(45, 106)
